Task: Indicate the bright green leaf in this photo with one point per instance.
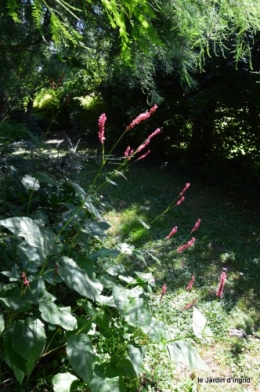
(62, 382)
(199, 324)
(181, 351)
(136, 356)
(53, 314)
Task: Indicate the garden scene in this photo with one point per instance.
(129, 196)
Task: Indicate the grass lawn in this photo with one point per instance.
(227, 240)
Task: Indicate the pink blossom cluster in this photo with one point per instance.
(222, 281)
(185, 246)
(189, 287)
(142, 117)
(101, 124)
(181, 200)
(25, 280)
(174, 231)
(196, 226)
(130, 152)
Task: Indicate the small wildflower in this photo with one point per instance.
(142, 146)
(186, 246)
(163, 292)
(179, 202)
(187, 185)
(156, 132)
(144, 156)
(174, 231)
(101, 124)
(189, 287)
(142, 117)
(128, 153)
(189, 305)
(220, 289)
(25, 280)
(196, 226)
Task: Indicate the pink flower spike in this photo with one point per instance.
(141, 117)
(196, 226)
(189, 287)
(144, 156)
(142, 146)
(220, 289)
(187, 185)
(25, 280)
(186, 246)
(156, 132)
(101, 124)
(128, 153)
(180, 201)
(174, 231)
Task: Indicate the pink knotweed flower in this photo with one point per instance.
(163, 292)
(189, 287)
(196, 226)
(186, 246)
(156, 132)
(142, 146)
(179, 202)
(25, 280)
(222, 280)
(174, 231)
(144, 156)
(101, 124)
(128, 153)
(187, 185)
(142, 117)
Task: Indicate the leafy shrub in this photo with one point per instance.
(11, 130)
(67, 294)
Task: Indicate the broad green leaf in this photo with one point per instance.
(199, 324)
(30, 182)
(16, 303)
(181, 351)
(28, 340)
(104, 252)
(136, 356)
(100, 384)
(33, 234)
(92, 209)
(2, 323)
(123, 366)
(78, 280)
(114, 269)
(156, 330)
(125, 248)
(13, 360)
(46, 178)
(51, 313)
(13, 275)
(62, 382)
(32, 257)
(94, 228)
(81, 356)
(132, 307)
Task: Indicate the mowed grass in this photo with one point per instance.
(229, 239)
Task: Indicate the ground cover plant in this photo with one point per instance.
(110, 312)
(64, 293)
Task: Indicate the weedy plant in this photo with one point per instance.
(64, 294)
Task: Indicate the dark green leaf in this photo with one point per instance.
(81, 356)
(53, 314)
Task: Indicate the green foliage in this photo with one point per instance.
(66, 289)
